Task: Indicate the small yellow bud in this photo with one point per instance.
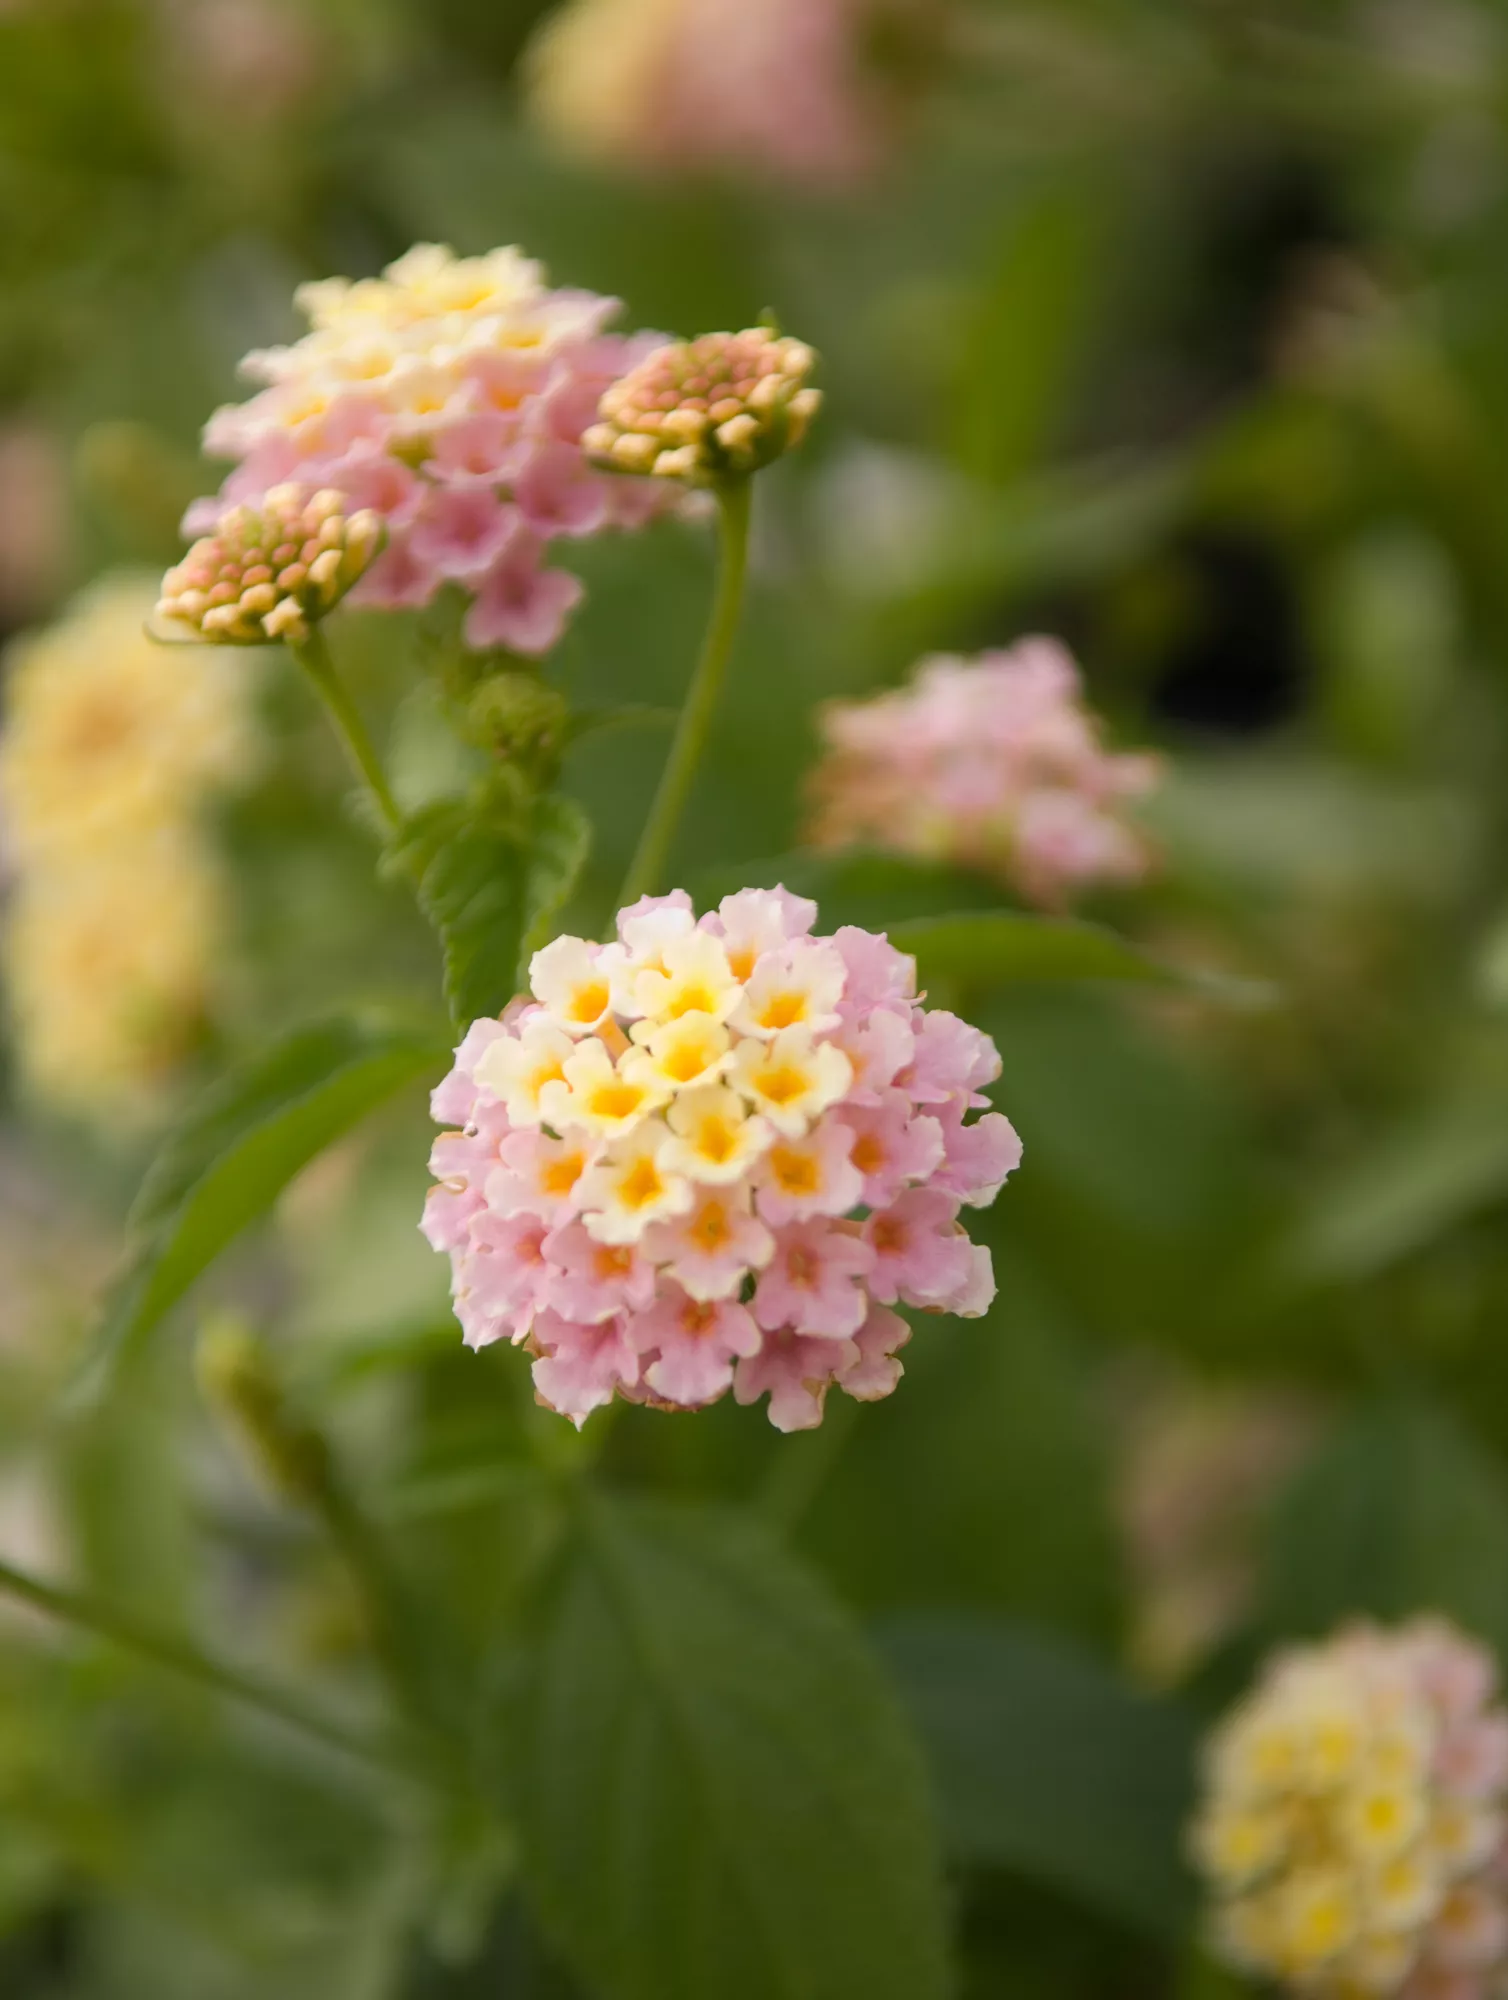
(710, 409)
(269, 572)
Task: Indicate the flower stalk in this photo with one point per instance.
(735, 506)
(313, 655)
(120, 1629)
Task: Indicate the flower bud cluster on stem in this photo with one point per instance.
(269, 572)
(708, 410)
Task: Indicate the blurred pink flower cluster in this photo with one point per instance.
(1355, 1823)
(995, 763)
(449, 397)
(716, 1154)
(788, 88)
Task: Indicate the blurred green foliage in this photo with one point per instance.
(1179, 329)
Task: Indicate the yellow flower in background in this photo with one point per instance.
(1353, 1826)
(110, 735)
(108, 968)
(111, 748)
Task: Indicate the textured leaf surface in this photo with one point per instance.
(470, 870)
(562, 841)
(717, 1791)
(490, 884)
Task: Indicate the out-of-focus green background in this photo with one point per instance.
(1176, 327)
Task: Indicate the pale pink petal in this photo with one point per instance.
(463, 531)
(977, 1158)
(558, 493)
(795, 1373)
(522, 607)
(581, 1367)
(876, 1371)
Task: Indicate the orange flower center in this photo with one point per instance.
(783, 1010)
(783, 1084)
(796, 1172)
(712, 1228)
(616, 1099)
(640, 1185)
(561, 1175)
(589, 1002)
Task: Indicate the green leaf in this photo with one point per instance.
(976, 941)
(239, 1148)
(1400, 1511)
(715, 1789)
(1408, 1189)
(490, 872)
(1025, 329)
(469, 867)
(987, 1483)
(1049, 1766)
(1006, 947)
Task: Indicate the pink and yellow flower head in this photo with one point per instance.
(715, 1154)
(791, 90)
(271, 571)
(995, 763)
(447, 398)
(1353, 1832)
(709, 409)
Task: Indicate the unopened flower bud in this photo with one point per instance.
(518, 716)
(269, 572)
(709, 409)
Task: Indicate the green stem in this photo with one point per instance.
(734, 501)
(121, 1629)
(313, 655)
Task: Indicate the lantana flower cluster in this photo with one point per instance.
(995, 763)
(705, 410)
(448, 398)
(268, 572)
(716, 1154)
(784, 88)
(1353, 1829)
(112, 747)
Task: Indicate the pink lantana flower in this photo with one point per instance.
(920, 1253)
(995, 764)
(790, 90)
(580, 1368)
(714, 1153)
(695, 1343)
(448, 399)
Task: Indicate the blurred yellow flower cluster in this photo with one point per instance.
(111, 747)
(1353, 1828)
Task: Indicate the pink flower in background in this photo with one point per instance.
(448, 397)
(671, 1179)
(1354, 1828)
(794, 90)
(994, 763)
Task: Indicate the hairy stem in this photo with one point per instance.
(119, 1628)
(734, 499)
(313, 655)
